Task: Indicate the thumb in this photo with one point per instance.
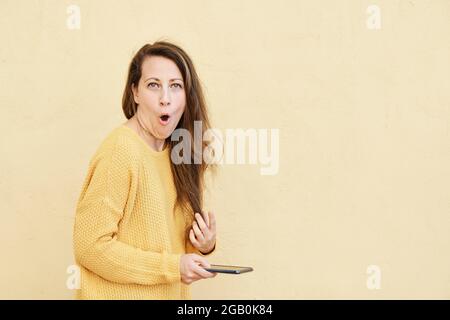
(203, 262)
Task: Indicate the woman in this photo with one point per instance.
(136, 235)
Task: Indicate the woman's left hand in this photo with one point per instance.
(203, 232)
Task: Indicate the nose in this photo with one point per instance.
(165, 98)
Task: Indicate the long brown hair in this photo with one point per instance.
(188, 178)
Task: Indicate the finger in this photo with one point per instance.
(201, 223)
(212, 221)
(198, 233)
(193, 239)
(203, 273)
(204, 229)
(194, 276)
(206, 218)
(203, 263)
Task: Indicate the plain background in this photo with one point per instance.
(364, 120)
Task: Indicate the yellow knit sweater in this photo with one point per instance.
(128, 236)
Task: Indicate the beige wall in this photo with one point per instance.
(363, 114)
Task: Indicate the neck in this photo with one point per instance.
(154, 143)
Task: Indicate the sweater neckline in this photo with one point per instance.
(150, 150)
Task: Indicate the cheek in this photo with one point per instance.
(181, 106)
(151, 97)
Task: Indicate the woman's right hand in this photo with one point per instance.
(191, 268)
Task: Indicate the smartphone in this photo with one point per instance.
(228, 269)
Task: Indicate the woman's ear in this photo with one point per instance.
(135, 95)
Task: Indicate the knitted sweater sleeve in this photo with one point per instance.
(105, 194)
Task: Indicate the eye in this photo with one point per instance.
(179, 85)
(151, 84)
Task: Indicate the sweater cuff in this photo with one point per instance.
(173, 267)
(208, 253)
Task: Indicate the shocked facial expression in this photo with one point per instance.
(160, 96)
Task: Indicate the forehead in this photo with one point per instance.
(160, 67)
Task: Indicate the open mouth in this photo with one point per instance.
(164, 119)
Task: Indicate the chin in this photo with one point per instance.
(165, 136)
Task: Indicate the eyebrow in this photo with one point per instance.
(159, 80)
